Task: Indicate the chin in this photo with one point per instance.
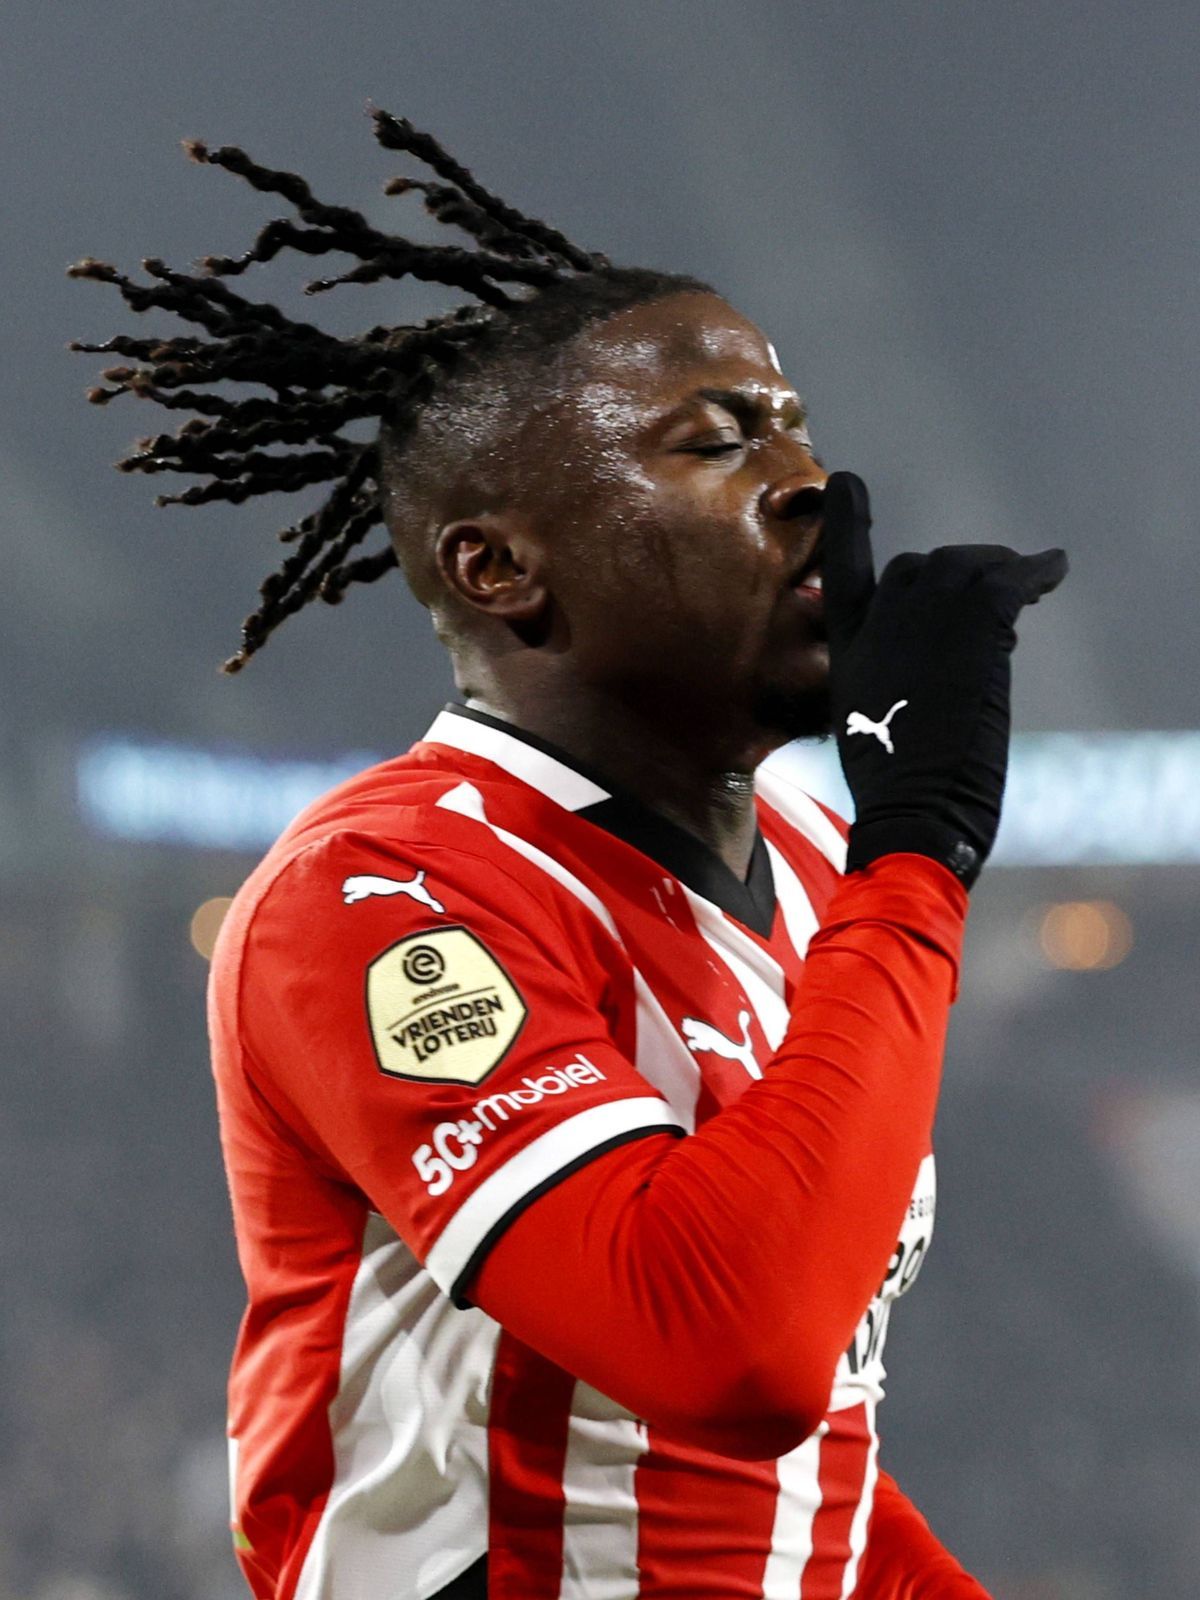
(791, 711)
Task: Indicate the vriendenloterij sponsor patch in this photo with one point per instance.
(441, 1007)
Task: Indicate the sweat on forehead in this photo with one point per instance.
(670, 336)
(611, 373)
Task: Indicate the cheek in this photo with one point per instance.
(727, 558)
(663, 553)
(609, 532)
(709, 589)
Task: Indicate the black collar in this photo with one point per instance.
(681, 853)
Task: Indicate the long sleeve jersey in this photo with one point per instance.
(574, 1181)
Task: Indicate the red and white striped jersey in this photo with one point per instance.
(453, 981)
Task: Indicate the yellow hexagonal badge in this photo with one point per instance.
(441, 1007)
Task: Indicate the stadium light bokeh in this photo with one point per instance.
(1073, 799)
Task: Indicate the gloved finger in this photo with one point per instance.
(901, 570)
(968, 561)
(1034, 576)
(847, 561)
(975, 567)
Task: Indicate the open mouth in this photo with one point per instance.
(808, 576)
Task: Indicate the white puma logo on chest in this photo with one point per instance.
(702, 1037)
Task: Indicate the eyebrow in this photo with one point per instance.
(745, 404)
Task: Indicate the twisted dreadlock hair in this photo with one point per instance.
(319, 384)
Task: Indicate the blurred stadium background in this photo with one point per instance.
(971, 231)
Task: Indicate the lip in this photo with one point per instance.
(807, 576)
(810, 597)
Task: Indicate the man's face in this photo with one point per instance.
(679, 502)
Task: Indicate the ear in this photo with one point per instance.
(496, 565)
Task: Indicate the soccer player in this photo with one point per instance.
(576, 1077)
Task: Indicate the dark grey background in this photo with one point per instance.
(971, 232)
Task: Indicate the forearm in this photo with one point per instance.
(729, 1270)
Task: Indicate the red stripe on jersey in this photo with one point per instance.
(815, 870)
(839, 822)
(791, 960)
(704, 1523)
(527, 1447)
(843, 1472)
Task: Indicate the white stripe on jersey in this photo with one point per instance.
(600, 1520)
(804, 814)
(661, 1056)
(548, 1154)
(799, 918)
(570, 789)
(234, 1447)
(408, 1428)
(797, 1505)
(862, 1513)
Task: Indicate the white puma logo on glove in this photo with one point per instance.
(857, 722)
(359, 888)
(702, 1036)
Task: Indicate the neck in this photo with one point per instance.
(707, 789)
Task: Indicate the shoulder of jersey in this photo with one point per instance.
(382, 853)
(367, 801)
(380, 801)
(392, 809)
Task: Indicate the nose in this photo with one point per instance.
(800, 494)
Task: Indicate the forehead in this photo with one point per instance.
(650, 357)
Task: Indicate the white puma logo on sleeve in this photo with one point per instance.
(359, 888)
(702, 1036)
(857, 722)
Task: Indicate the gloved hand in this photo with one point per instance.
(920, 672)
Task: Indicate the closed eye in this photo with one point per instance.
(718, 449)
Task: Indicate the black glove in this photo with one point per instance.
(919, 679)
